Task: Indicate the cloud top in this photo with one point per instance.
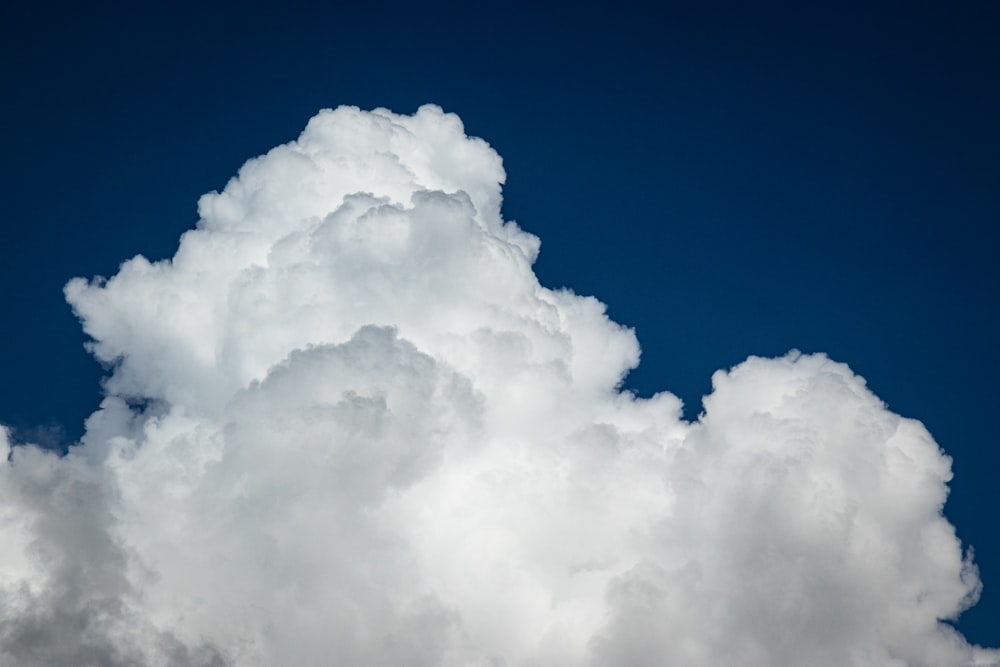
(346, 422)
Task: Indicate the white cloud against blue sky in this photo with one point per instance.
(346, 419)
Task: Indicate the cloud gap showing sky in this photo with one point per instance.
(345, 422)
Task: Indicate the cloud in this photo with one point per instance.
(345, 422)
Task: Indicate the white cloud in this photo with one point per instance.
(346, 423)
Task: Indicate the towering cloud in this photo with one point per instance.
(346, 425)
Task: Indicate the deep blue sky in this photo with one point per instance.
(730, 180)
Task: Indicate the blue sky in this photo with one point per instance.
(730, 181)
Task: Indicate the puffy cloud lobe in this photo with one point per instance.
(67, 598)
(345, 422)
(807, 531)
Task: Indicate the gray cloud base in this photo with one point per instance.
(345, 423)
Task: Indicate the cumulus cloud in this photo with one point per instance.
(345, 424)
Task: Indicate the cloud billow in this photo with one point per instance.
(346, 424)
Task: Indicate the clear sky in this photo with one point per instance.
(730, 180)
